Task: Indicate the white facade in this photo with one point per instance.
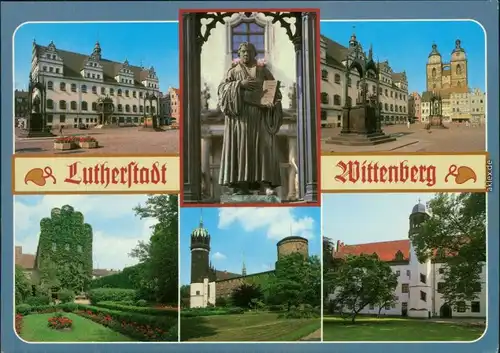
(202, 294)
(74, 82)
(218, 52)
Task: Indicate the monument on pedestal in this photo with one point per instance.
(106, 108)
(361, 123)
(436, 113)
(151, 120)
(36, 122)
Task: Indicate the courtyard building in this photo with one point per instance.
(169, 106)
(74, 83)
(450, 81)
(414, 106)
(393, 86)
(419, 284)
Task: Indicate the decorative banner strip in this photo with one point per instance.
(415, 172)
(96, 174)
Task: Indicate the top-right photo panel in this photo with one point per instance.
(403, 86)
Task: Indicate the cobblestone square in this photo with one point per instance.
(125, 140)
(457, 138)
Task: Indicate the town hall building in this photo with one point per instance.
(419, 284)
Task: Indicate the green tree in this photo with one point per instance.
(245, 295)
(455, 235)
(361, 281)
(297, 280)
(159, 255)
(23, 285)
(185, 295)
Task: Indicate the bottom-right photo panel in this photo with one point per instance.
(397, 267)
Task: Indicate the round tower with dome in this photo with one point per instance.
(420, 295)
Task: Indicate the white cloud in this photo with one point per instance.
(112, 243)
(277, 222)
(218, 256)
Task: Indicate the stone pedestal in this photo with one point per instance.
(224, 199)
(36, 127)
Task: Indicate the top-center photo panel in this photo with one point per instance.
(249, 107)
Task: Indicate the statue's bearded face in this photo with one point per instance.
(246, 54)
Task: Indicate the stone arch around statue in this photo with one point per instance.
(303, 34)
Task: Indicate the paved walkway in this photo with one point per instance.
(125, 140)
(315, 336)
(457, 138)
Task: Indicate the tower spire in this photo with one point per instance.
(201, 217)
(243, 268)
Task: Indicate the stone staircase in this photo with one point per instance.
(360, 140)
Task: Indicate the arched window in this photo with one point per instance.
(94, 106)
(458, 70)
(83, 89)
(72, 105)
(50, 104)
(120, 107)
(248, 32)
(62, 105)
(50, 85)
(85, 106)
(62, 86)
(386, 107)
(336, 100)
(337, 78)
(433, 72)
(73, 87)
(127, 108)
(94, 89)
(119, 92)
(134, 108)
(349, 101)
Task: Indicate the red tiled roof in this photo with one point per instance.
(385, 250)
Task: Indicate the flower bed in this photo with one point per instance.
(19, 323)
(60, 322)
(87, 142)
(137, 326)
(65, 143)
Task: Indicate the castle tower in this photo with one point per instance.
(420, 295)
(434, 70)
(458, 62)
(200, 267)
(291, 245)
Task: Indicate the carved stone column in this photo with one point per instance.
(292, 171)
(300, 97)
(206, 146)
(191, 137)
(307, 124)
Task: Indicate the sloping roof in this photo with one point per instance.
(73, 63)
(223, 275)
(386, 250)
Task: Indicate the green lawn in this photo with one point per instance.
(396, 329)
(246, 327)
(35, 329)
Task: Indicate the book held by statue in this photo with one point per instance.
(264, 95)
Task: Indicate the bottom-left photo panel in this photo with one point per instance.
(91, 268)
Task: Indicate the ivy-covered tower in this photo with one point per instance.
(64, 253)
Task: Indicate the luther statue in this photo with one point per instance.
(249, 159)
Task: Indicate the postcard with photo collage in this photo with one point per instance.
(254, 179)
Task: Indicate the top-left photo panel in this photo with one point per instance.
(99, 88)
(92, 93)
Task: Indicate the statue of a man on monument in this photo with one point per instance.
(250, 100)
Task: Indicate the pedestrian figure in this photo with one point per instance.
(61, 129)
(408, 124)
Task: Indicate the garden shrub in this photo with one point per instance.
(38, 300)
(68, 307)
(66, 296)
(23, 309)
(304, 311)
(39, 309)
(111, 294)
(141, 303)
(195, 312)
(236, 310)
(137, 309)
(277, 308)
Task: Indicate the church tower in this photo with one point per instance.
(459, 78)
(200, 267)
(434, 70)
(420, 293)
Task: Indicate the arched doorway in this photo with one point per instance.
(445, 311)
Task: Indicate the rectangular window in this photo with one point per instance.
(440, 287)
(475, 307)
(461, 307)
(423, 296)
(405, 288)
(423, 278)
(197, 292)
(248, 32)
(398, 273)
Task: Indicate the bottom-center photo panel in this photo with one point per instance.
(250, 274)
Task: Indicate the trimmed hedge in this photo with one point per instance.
(211, 312)
(111, 295)
(138, 309)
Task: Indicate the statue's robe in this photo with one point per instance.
(249, 151)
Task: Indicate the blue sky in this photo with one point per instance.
(407, 45)
(368, 218)
(152, 44)
(250, 233)
(115, 227)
